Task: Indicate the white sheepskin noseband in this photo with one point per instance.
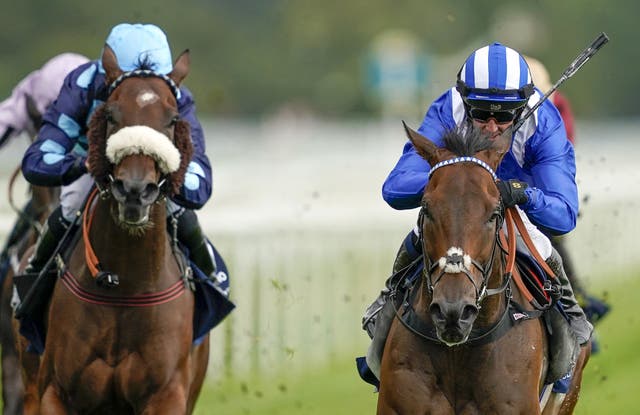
(140, 139)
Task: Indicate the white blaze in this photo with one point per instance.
(146, 97)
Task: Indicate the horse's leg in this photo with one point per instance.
(29, 365)
(169, 400)
(12, 388)
(199, 363)
(571, 399)
(51, 403)
(564, 404)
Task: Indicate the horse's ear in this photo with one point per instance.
(180, 67)
(425, 147)
(110, 64)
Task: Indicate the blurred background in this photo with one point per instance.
(302, 103)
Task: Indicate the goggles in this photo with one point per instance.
(501, 117)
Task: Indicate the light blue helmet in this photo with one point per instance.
(495, 75)
(136, 43)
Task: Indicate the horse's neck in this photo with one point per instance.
(126, 253)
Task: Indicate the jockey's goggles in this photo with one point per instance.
(501, 112)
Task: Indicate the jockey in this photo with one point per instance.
(537, 175)
(58, 156)
(22, 113)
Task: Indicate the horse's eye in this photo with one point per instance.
(174, 121)
(425, 212)
(109, 116)
(496, 215)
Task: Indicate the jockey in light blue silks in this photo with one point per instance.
(537, 175)
(58, 156)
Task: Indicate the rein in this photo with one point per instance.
(141, 300)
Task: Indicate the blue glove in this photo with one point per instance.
(512, 192)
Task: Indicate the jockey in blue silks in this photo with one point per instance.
(537, 175)
(57, 157)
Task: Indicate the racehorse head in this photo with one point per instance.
(139, 148)
(460, 218)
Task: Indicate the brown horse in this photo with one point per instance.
(126, 347)
(42, 201)
(454, 348)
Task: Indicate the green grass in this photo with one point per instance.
(611, 378)
(332, 390)
(609, 384)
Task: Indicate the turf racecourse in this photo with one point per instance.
(609, 386)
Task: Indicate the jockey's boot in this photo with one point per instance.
(580, 326)
(32, 292)
(565, 339)
(52, 233)
(407, 253)
(595, 308)
(190, 234)
(379, 315)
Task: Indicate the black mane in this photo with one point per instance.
(467, 142)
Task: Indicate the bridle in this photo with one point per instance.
(105, 191)
(455, 260)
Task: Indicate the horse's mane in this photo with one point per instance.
(100, 167)
(466, 142)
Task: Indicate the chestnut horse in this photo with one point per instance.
(454, 347)
(126, 347)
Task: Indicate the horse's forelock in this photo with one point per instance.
(466, 142)
(145, 63)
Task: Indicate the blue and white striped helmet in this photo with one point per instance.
(495, 73)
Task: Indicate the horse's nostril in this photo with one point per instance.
(118, 189)
(436, 312)
(150, 191)
(469, 312)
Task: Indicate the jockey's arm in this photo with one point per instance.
(552, 192)
(198, 182)
(405, 184)
(53, 158)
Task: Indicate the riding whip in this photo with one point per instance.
(577, 63)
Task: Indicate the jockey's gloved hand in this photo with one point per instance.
(512, 192)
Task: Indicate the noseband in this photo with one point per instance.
(175, 90)
(456, 261)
